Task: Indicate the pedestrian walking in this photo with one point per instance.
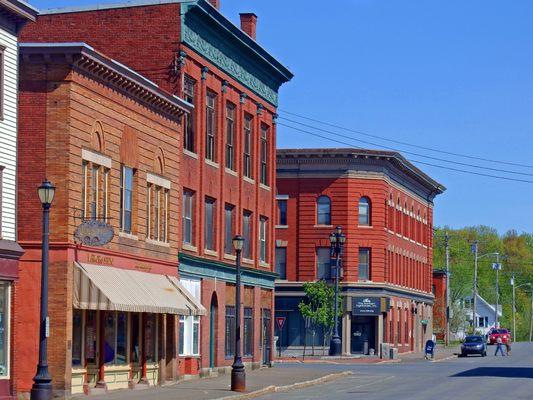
(499, 346)
(507, 343)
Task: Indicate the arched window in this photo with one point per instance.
(323, 210)
(364, 211)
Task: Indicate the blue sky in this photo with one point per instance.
(448, 74)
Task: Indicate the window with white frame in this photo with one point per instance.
(187, 217)
(5, 288)
(263, 239)
(94, 189)
(364, 264)
(230, 136)
(210, 127)
(189, 329)
(264, 154)
(157, 206)
(247, 153)
(126, 199)
(188, 132)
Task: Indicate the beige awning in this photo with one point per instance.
(98, 287)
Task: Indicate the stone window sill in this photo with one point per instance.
(211, 163)
(128, 235)
(157, 242)
(189, 247)
(190, 153)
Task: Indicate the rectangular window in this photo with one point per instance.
(126, 199)
(77, 337)
(135, 338)
(247, 234)
(263, 239)
(210, 126)
(187, 217)
(281, 262)
(209, 224)
(364, 264)
(230, 331)
(323, 263)
(189, 329)
(188, 131)
(5, 317)
(248, 332)
(150, 338)
(282, 212)
(115, 336)
(230, 136)
(247, 144)
(228, 228)
(157, 205)
(264, 154)
(90, 337)
(94, 190)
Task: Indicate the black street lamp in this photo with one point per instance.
(238, 374)
(42, 386)
(336, 240)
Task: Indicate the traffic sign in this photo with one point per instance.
(496, 266)
(280, 321)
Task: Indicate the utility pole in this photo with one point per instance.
(514, 306)
(474, 300)
(531, 315)
(497, 268)
(447, 333)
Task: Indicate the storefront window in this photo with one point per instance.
(4, 327)
(150, 337)
(90, 337)
(195, 335)
(110, 332)
(248, 331)
(122, 332)
(135, 343)
(77, 337)
(189, 329)
(115, 341)
(230, 331)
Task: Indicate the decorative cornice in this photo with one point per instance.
(83, 58)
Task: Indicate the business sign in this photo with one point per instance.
(366, 306)
(94, 232)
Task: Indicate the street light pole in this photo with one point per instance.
(337, 241)
(514, 307)
(42, 386)
(496, 324)
(238, 373)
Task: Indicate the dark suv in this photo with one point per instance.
(474, 345)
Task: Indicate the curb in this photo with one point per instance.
(286, 388)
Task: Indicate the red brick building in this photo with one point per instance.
(439, 307)
(225, 155)
(105, 137)
(384, 205)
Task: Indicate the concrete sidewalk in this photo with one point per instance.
(442, 353)
(219, 387)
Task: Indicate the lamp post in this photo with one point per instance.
(514, 307)
(474, 249)
(238, 374)
(42, 386)
(336, 240)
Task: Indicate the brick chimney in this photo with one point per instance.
(215, 3)
(248, 24)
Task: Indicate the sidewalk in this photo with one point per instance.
(442, 353)
(217, 388)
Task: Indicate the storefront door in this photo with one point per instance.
(266, 335)
(363, 335)
(212, 331)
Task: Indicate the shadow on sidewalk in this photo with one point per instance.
(513, 372)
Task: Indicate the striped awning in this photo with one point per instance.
(98, 287)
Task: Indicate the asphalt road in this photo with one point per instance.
(472, 378)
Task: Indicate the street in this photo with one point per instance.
(469, 378)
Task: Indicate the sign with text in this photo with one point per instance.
(366, 306)
(280, 321)
(94, 232)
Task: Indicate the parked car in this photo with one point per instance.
(504, 334)
(474, 345)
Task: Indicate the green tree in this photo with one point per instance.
(318, 305)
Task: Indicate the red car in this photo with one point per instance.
(504, 334)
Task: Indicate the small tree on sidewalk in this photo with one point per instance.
(318, 306)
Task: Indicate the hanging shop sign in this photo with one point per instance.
(94, 232)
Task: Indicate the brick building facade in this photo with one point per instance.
(439, 307)
(225, 155)
(104, 136)
(384, 205)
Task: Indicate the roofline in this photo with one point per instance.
(108, 6)
(304, 153)
(21, 9)
(206, 6)
(84, 50)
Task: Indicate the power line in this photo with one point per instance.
(411, 160)
(411, 153)
(405, 143)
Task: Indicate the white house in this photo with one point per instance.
(485, 315)
(14, 14)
